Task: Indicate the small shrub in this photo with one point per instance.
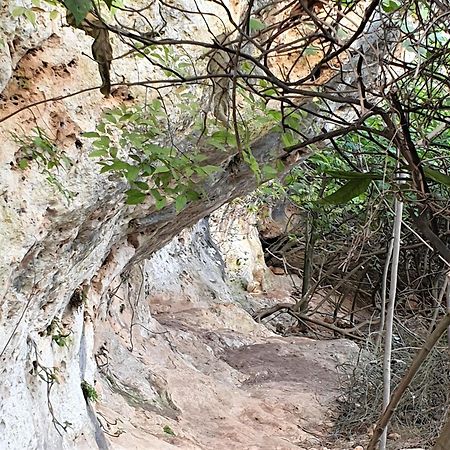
(89, 391)
(168, 430)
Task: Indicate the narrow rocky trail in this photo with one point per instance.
(202, 368)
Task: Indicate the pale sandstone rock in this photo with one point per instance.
(163, 340)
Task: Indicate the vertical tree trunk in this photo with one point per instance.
(390, 314)
(383, 293)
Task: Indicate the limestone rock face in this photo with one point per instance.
(98, 298)
(235, 230)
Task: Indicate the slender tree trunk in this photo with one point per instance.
(383, 292)
(390, 314)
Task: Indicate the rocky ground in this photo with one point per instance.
(223, 380)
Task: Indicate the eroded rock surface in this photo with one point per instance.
(201, 366)
(91, 295)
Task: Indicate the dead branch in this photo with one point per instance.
(407, 378)
(289, 309)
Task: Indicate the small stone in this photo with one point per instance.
(394, 436)
(277, 270)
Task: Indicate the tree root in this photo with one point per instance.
(289, 308)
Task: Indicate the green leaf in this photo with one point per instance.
(134, 196)
(156, 195)
(279, 166)
(276, 115)
(79, 8)
(110, 118)
(180, 202)
(199, 157)
(105, 168)
(346, 175)
(103, 142)
(126, 117)
(161, 169)
(153, 149)
(141, 185)
(347, 192)
(390, 6)
(146, 170)
(91, 134)
(188, 171)
(23, 164)
(98, 153)
(132, 173)
(168, 430)
(248, 157)
(116, 166)
(269, 172)
(437, 176)
(60, 340)
(256, 25)
(31, 16)
(209, 169)
(192, 195)
(54, 14)
(113, 152)
(288, 139)
(18, 11)
(119, 165)
(222, 137)
(160, 203)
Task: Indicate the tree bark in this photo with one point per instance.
(390, 313)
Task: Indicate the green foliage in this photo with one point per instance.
(89, 391)
(256, 25)
(269, 172)
(40, 148)
(63, 340)
(79, 8)
(59, 336)
(222, 139)
(437, 176)
(252, 163)
(347, 175)
(28, 13)
(349, 191)
(390, 6)
(138, 145)
(138, 154)
(168, 430)
(172, 64)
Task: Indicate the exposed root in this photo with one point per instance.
(289, 308)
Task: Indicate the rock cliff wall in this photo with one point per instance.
(100, 298)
